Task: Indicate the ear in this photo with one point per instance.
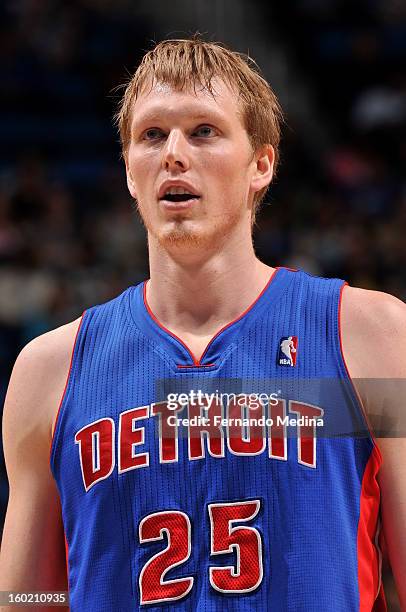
(130, 181)
(263, 172)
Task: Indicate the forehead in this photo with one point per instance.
(163, 99)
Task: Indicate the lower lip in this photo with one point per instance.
(169, 205)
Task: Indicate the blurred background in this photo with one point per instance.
(68, 235)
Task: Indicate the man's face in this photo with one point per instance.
(199, 141)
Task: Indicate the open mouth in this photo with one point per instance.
(179, 197)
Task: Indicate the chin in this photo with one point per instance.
(185, 233)
(180, 235)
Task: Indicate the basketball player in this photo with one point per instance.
(277, 518)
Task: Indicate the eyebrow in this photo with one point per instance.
(157, 114)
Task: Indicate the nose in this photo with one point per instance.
(175, 155)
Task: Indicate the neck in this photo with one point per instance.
(201, 290)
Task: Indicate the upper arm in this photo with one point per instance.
(33, 549)
(374, 346)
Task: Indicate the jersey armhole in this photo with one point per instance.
(68, 377)
(355, 391)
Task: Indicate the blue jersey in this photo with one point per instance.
(244, 480)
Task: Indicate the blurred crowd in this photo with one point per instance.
(69, 236)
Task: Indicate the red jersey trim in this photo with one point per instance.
(198, 362)
(66, 386)
(371, 433)
(67, 558)
(201, 365)
(369, 556)
(368, 552)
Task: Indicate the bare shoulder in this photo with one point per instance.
(32, 553)
(373, 327)
(53, 344)
(373, 332)
(38, 380)
(374, 347)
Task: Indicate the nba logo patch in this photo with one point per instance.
(287, 351)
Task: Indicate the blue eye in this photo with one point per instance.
(209, 130)
(149, 134)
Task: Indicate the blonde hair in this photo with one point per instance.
(186, 63)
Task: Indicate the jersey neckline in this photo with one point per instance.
(177, 349)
